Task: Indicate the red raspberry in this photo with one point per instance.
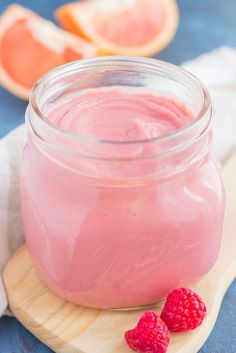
(149, 336)
(184, 310)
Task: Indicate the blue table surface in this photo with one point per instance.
(204, 25)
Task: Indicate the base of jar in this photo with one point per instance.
(58, 292)
(138, 307)
(63, 295)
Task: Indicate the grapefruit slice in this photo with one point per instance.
(30, 46)
(122, 27)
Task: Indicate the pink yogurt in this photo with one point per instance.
(97, 238)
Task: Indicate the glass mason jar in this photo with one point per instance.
(117, 224)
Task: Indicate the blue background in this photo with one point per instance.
(205, 25)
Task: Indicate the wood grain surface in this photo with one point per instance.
(68, 328)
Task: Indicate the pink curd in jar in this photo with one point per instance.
(102, 241)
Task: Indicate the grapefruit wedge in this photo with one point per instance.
(30, 46)
(122, 27)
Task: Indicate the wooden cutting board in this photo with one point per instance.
(68, 328)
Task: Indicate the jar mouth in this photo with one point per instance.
(200, 123)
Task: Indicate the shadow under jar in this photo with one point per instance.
(116, 217)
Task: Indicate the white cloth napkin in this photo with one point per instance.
(216, 69)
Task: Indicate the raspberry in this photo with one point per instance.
(149, 336)
(183, 311)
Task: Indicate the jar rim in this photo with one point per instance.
(119, 61)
